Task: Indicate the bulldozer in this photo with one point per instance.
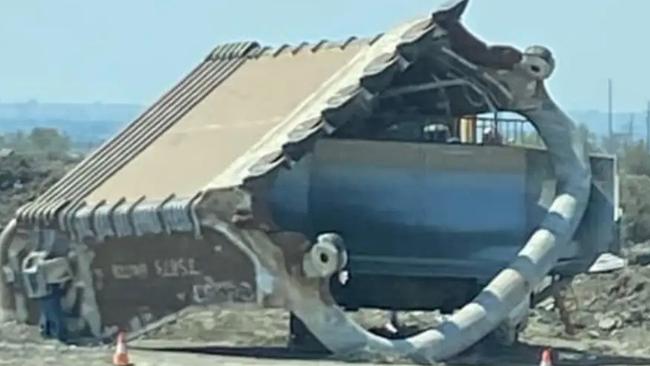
(323, 178)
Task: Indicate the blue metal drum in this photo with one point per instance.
(427, 210)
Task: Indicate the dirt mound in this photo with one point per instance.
(23, 177)
(616, 300)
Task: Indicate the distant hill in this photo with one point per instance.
(95, 122)
(84, 123)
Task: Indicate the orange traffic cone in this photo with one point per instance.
(547, 358)
(121, 355)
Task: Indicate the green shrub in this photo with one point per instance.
(635, 159)
(635, 201)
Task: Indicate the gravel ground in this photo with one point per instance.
(611, 309)
(610, 312)
(211, 332)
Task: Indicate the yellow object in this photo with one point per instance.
(467, 129)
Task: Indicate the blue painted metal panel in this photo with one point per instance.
(289, 197)
(433, 213)
(402, 209)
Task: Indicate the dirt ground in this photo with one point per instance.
(611, 313)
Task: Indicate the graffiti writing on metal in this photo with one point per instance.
(165, 268)
(176, 267)
(130, 271)
(223, 292)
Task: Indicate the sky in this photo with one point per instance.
(130, 51)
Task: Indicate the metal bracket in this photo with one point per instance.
(39, 272)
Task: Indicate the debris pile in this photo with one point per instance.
(610, 306)
(615, 300)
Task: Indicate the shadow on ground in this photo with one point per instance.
(524, 354)
(521, 354)
(278, 353)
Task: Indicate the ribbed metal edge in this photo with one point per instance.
(287, 49)
(358, 98)
(64, 197)
(355, 100)
(231, 51)
(141, 217)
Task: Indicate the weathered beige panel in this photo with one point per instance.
(254, 100)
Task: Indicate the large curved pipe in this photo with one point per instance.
(314, 306)
(6, 297)
(512, 285)
(507, 290)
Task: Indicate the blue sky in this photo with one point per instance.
(132, 51)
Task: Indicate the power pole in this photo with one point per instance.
(631, 131)
(647, 127)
